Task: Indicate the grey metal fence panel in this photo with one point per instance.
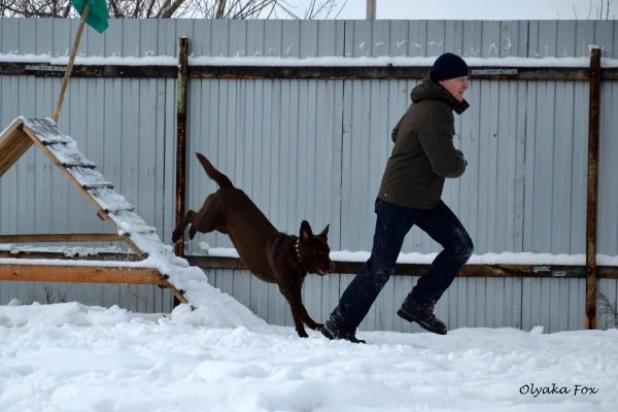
(276, 140)
(137, 298)
(431, 38)
(555, 304)
(316, 150)
(370, 111)
(608, 184)
(556, 168)
(286, 38)
(489, 196)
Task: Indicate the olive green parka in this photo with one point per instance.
(424, 154)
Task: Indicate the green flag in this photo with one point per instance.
(97, 16)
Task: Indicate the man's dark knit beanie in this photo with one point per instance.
(449, 66)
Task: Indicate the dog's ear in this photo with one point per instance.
(324, 233)
(305, 231)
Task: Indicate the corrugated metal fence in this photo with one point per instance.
(315, 150)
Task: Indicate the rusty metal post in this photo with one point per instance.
(181, 135)
(590, 321)
(181, 141)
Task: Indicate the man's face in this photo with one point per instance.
(456, 87)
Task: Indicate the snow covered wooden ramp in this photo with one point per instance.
(158, 264)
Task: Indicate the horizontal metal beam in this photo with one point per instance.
(404, 269)
(81, 274)
(301, 72)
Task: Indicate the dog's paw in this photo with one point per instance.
(302, 333)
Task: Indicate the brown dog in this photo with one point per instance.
(272, 256)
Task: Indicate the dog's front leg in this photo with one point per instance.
(299, 312)
(294, 299)
(306, 319)
(180, 229)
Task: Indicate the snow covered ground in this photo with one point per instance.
(70, 357)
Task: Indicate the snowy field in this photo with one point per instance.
(70, 357)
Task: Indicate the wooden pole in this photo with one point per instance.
(67, 73)
(371, 9)
(590, 321)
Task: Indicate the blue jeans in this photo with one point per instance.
(392, 225)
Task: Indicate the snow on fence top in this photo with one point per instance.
(326, 61)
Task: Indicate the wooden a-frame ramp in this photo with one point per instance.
(159, 265)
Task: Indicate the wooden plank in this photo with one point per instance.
(13, 144)
(82, 274)
(89, 178)
(88, 274)
(7, 134)
(98, 185)
(68, 155)
(178, 294)
(109, 200)
(13, 151)
(47, 131)
(125, 218)
(62, 237)
(81, 254)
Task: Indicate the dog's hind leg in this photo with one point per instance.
(180, 228)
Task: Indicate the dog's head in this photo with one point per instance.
(313, 251)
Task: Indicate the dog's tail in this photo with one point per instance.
(221, 179)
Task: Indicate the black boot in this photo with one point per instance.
(425, 318)
(331, 331)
